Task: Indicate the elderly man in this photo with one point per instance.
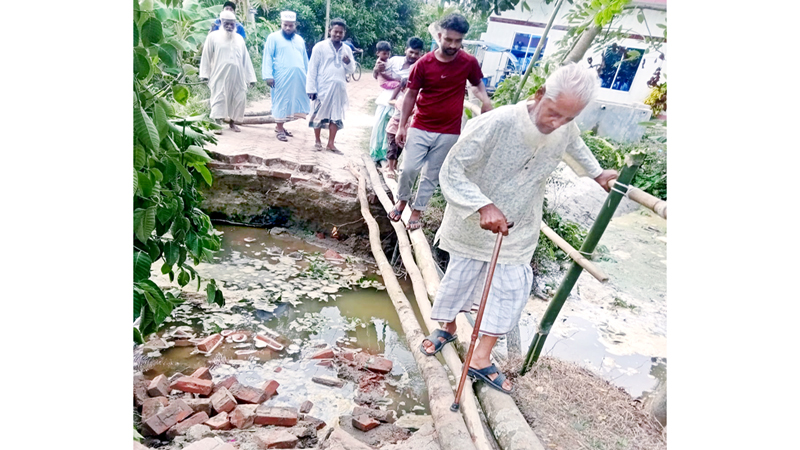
(230, 6)
(326, 85)
(227, 67)
(389, 72)
(495, 174)
(284, 69)
(436, 85)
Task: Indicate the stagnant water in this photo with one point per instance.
(282, 284)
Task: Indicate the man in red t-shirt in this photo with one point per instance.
(436, 85)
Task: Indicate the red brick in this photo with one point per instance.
(140, 392)
(248, 394)
(223, 401)
(306, 407)
(377, 414)
(176, 411)
(243, 416)
(180, 428)
(202, 373)
(183, 343)
(276, 439)
(153, 406)
(208, 344)
(332, 254)
(365, 422)
(278, 369)
(306, 168)
(193, 385)
(284, 417)
(348, 355)
(158, 387)
(317, 423)
(219, 422)
(325, 363)
(280, 174)
(226, 383)
(379, 365)
(323, 354)
(271, 388)
(199, 404)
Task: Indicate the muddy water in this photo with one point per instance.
(281, 284)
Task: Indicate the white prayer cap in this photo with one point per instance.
(227, 15)
(288, 16)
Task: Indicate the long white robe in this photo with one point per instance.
(226, 63)
(286, 62)
(326, 72)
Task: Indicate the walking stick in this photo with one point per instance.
(476, 328)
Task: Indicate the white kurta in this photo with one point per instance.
(226, 63)
(502, 158)
(326, 73)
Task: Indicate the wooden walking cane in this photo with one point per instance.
(476, 328)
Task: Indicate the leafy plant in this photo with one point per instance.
(548, 252)
(169, 162)
(508, 87)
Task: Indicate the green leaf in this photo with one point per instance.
(141, 266)
(145, 184)
(192, 243)
(204, 172)
(167, 106)
(162, 14)
(171, 253)
(135, 181)
(183, 278)
(153, 250)
(189, 69)
(135, 34)
(141, 66)
(211, 290)
(185, 173)
(197, 154)
(152, 33)
(144, 222)
(162, 125)
(137, 338)
(168, 55)
(180, 94)
(139, 157)
(166, 268)
(145, 129)
(146, 5)
(165, 212)
(138, 301)
(160, 309)
(219, 299)
(156, 175)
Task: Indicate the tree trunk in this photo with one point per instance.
(469, 406)
(450, 428)
(257, 113)
(583, 44)
(254, 120)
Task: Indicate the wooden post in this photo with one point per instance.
(633, 160)
(650, 202)
(450, 427)
(574, 254)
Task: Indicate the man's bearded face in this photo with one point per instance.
(288, 29)
(228, 25)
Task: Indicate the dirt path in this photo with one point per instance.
(260, 140)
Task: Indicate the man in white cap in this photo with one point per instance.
(326, 85)
(284, 69)
(227, 67)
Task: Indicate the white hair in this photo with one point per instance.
(582, 82)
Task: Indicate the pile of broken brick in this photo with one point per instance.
(170, 407)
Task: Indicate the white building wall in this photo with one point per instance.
(503, 34)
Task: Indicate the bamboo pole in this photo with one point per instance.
(574, 254)
(257, 113)
(450, 427)
(633, 161)
(470, 409)
(650, 202)
(537, 52)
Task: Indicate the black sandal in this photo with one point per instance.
(484, 373)
(437, 344)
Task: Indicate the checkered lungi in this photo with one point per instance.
(462, 287)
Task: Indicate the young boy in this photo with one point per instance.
(383, 50)
(395, 149)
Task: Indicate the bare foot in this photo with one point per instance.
(334, 150)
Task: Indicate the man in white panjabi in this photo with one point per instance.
(326, 85)
(496, 173)
(226, 65)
